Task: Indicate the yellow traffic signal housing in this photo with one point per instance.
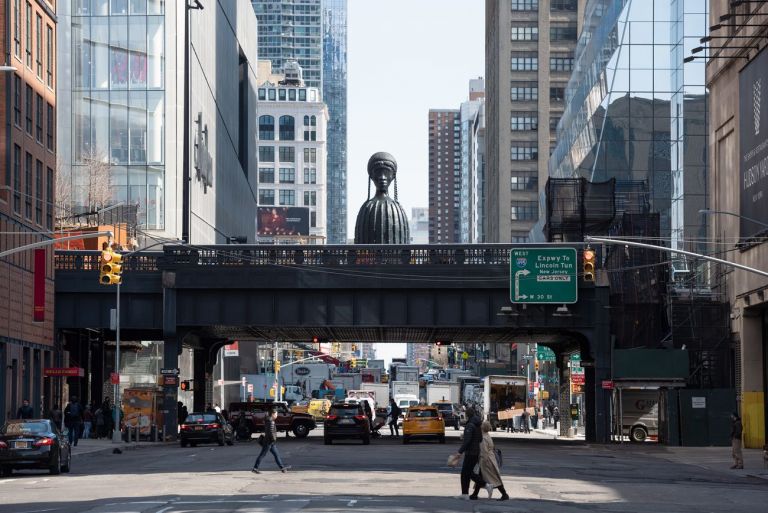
(110, 268)
(277, 366)
(589, 265)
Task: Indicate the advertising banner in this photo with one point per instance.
(38, 312)
(274, 221)
(753, 138)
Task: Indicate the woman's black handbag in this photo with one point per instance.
(499, 458)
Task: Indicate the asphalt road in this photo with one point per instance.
(386, 476)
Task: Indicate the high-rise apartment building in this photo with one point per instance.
(27, 213)
(529, 58)
(444, 176)
(334, 90)
(469, 197)
(314, 33)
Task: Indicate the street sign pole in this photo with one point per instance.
(116, 435)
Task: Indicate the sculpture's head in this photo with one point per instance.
(382, 169)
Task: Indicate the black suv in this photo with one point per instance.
(205, 428)
(347, 420)
(449, 413)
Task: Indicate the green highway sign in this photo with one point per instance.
(544, 354)
(543, 276)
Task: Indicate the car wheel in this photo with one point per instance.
(193, 444)
(55, 467)
(366, 440)
(230, 442)
(405, 440)
(639, 434)
(5, 472)
(221, 441)
(456, 426)
(68, 464)
(301, 430)
(327, 440)
(442, 439)
(184, 443)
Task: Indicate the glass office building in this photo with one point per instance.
(118, 104)
(334, 92)
(635, 111)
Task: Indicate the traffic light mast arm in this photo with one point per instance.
(621, 242)
(49, 242)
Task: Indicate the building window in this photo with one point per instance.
(266, 197)
(524, 181)
(17, 178)
(39, 120)
(553, 121)
(28, 49)
(49, 58)
(50, 128)
(266, 128)
(562, 32)
(49, 199)
(287, 128)
(28, 108)
(281, 95)
(262, 94)
(302, 95)
(524, 211)
(310, 176)
(560, 62)
(313, 219)
(39, 193)
(524, 91)
(266, 153)
(519, 237)
(266, 175)
(17, 28)
(557, 94)
(310, 128)
(524, 33)
(287, 154)
(271, 94)
(525, 5)
(563, 5)
(287, 175)
(39, 43)
(524, 151)
(524, 61)
(28, 186)
(310, 198)
(310, 155)
(524, 121)
(287, 197)
(17, 100)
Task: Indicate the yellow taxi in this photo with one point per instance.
(423, 422)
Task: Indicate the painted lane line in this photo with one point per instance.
(351, 503)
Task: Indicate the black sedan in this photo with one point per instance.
(347, 420)
(33, 444)
(449, 413)
(205, 428)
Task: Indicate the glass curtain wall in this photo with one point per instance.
(118, 106)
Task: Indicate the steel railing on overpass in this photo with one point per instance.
(341, 255)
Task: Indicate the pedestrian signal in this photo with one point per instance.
(184, 386)
(110, 268)
(589, 265)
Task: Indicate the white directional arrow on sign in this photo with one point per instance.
(524, 272)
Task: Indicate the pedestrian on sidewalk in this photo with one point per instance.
(489, 466)
(470, 448)
(87, 422)
(73, 418)
(55, 416)
(270, 443)
(737, 430)
(394, 414)
(525, 424)
(25, 410)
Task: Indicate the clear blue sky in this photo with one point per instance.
(404, 58)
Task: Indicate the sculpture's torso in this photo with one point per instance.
(381, 220)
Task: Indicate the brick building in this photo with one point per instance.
(27, 185)
(444, 175)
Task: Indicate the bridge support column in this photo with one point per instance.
(171, 351)
(200, 363)
(598, 400)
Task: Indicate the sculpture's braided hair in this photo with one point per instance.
(395, 187)
(369, 187)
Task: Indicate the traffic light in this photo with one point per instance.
(354, 347)
(277, 366)
(184, 386)
(536, 365)
(589, 265)
(353, 363)
(110, 268)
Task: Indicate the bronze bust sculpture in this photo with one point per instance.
(381, 219)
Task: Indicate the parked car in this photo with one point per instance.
(423, 422)
(347, 420)
(449, 413)
(205, 428)
(33, 444)
(255, 413)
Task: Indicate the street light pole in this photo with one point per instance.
(706, 211)
(116, 435)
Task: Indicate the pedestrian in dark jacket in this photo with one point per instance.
(470, 448)
(737, 430)
(73, 418)
(394, 414)
(270, 443)
(25, 411)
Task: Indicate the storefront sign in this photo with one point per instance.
(753, 139)
(77, 372)
(232, 349)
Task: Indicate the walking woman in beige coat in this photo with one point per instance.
(489, 467)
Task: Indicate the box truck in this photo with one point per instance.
(381, 392)
(503, 393)
(442, 391)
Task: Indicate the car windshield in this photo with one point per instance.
(200, 418)
(25, 428)
(422, 413)
(345, 411)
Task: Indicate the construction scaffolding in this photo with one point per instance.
(577, 207)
